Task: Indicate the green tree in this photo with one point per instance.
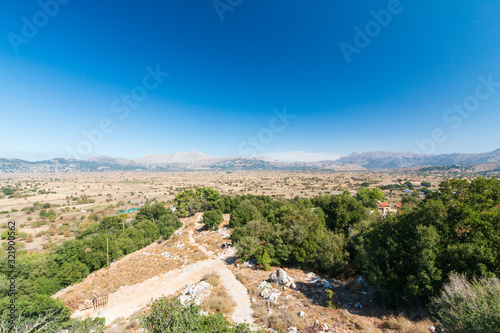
(111, 222)
(342, 212)
(190, 202)
(458, 230)
(409, 185)
(212, 219)
(244, 213)
(8, 190)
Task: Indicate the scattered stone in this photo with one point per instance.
(265, 293)
(311, 275)
(337, 283)
(264, 285)
(195, 293)
(431, 329)
(292, 330)
(324, 283)
(247, 264)
(273, 297)
(302, 314)
(322, 326)
(358, 305)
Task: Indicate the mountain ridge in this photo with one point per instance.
(194, 160)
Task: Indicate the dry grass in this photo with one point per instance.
(419, 327)
(242, 277)
(362, 323)
(74, 302)
(282, 321)
(213, 279)
(219, 301)
(260, 309)
(397, 323)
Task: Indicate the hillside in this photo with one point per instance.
(390, 160)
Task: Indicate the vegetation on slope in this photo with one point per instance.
(41, 275)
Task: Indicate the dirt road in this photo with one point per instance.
(129, 299)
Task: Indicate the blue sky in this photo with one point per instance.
(229, 78)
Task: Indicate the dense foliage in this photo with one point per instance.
(192, 201)
(168, 315)
(458, 230)
(407, 257)
(283, 232)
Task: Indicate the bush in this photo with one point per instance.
(244, 213)
(168, 315)
(35, 314)
(265, 261)
(469, 307)
(212, 219)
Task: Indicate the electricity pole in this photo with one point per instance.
(107, 253)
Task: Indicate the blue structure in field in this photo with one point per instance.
(128, 211)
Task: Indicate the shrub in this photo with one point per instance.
(469, 307)
(219, 301)
(212, 219)
(265, 260)
(244, 213)
(168, 315)
(282, 321)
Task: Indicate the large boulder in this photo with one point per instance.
(280, 277)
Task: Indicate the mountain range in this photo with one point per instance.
(199, 161)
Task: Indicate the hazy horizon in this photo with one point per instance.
(289, 157)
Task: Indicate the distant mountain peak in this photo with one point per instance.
(195, 160)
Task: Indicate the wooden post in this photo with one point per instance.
(107, 253)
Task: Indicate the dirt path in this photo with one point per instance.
(128, 299)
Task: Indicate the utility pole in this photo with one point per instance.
(107, 253)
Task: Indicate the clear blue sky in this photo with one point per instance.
(226, 77)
